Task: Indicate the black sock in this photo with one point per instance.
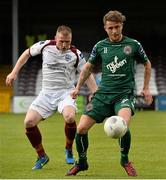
(124, 143)
(82, 146)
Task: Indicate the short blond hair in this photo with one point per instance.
(66, 30)
(114, 16)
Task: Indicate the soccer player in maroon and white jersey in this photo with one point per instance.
(60, 63)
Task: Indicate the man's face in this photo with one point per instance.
(63, 41)
(114, 30)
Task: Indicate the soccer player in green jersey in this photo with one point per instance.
(115, 94)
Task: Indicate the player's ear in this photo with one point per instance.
(55, 37)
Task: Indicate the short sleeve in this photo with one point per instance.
(36, 48)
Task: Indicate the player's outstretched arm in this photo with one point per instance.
(91, 83)
(84, 75)
(21, 61)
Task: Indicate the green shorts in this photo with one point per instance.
(106, 105)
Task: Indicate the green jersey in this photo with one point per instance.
(118, 63)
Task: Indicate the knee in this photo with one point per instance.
(69, 118)
(82, 129)
(29, 123)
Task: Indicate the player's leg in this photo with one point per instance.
(70, 131)
(125, 143)
(67, 107)
(40, 109)
(33, 133)
(84, 125)
(96, 111)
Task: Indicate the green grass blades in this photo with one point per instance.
(148, 149)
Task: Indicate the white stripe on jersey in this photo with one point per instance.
(58, 69)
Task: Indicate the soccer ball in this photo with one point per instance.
(115, 127)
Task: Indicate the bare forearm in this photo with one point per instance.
(85, 73)
(147, 75)
(91, 83)
(21, 61)
(82, 78)
(146, 91)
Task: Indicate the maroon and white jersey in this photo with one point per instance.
(58, 68)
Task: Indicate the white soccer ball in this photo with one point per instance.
(115, 127)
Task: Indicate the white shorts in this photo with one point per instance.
(48, 103)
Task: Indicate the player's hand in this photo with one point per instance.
(148, 97)
(74, 93)
(10, 78)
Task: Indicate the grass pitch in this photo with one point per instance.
(148, 149)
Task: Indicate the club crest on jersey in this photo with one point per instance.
(68, 57)
(127, 50)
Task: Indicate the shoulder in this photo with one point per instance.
(102, 42)
(38, 47)
(131, 40)
(73, 48)
(40, 44)
(48, 43)
(76, 51)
